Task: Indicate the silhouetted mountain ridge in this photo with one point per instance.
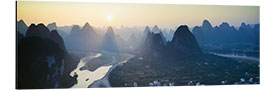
(83, 39)
(183, 43)
(52, 26)
(39, 30)
(44, 54)
(21, 27)
(226, 34)
(109, 41)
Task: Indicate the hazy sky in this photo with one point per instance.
(116, 14)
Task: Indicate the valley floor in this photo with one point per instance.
(206, 69)
(94, 67)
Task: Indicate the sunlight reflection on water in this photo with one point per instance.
(86, 77)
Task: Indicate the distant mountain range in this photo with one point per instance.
(52, 26)
(88, 38)
(224, 33)
(83, 39)
(43, 51)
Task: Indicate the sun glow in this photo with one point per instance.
(109, 18)
(163, 15)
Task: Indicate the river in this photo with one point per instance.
(236, 56)
(96, 78)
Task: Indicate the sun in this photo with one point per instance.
(109, 18)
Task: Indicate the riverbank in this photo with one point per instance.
(236, 56)
(86, 77)
(93, 69)
(104, 82)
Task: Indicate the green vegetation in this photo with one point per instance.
(207, 69)
(107, 58)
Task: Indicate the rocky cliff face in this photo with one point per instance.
(152, 46)
(40, 63)
(184, 41)
(43, 61)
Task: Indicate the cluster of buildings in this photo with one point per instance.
(154, 83)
